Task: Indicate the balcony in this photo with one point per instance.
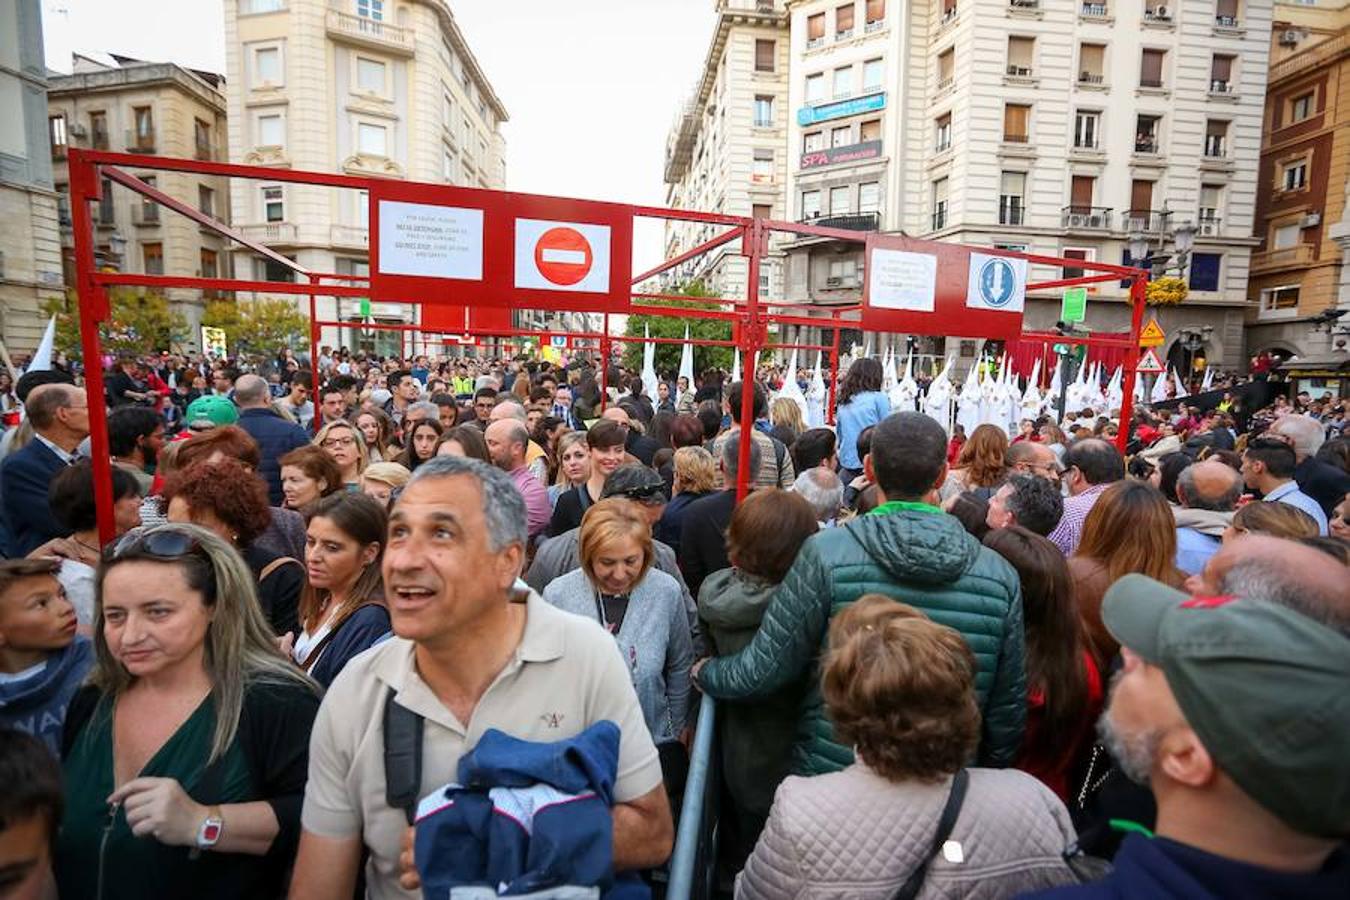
(1149, 221)
(140, 141)
(813, 43)
(1158, 15)
(1226, 22)
(1094, 11)
(1019, 71)
(145, 214)
(944, 83)
(353, 236)
(1147, 143)
(1283, 258)
(58, 152)
(1086, 218)
(106, 217)
(99, 139)
(370, 33)
(843, 35)
(1151, 84)
(1217, 86)
(871, 27)
(860, 221)
(1091, 78)
(1016, 138)
(1024, 4)
(1207, 226)
(948, 16)
(269, 232)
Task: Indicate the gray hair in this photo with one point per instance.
(731, 457)
(503, 506)
(1193, 498)
(513, 408)
(822, 489)
(425, 406)
(1270, 581)
(1307, 433)
(251, 390)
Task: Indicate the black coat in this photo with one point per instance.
(703, 537)
(24, 479)
(1323, 482)
(275, 436)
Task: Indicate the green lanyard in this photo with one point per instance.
(891, 506)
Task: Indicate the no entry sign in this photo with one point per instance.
(470, 247)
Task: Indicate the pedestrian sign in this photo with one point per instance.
(1074, 308)
(1152, 335)
(1149, 362)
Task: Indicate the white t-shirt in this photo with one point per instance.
(78, 580)
(306, 642)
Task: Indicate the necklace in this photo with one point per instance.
(91, 548)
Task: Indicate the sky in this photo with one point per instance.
(591, 86)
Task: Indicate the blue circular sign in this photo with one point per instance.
(998, 283)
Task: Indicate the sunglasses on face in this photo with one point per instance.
(652, 494)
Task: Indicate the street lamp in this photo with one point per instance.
(1183, 239)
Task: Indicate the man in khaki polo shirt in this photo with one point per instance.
(468, 655)
(775, 466)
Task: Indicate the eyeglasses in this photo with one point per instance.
(162, 543)
(334, 443)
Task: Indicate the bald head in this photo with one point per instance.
(1274, 570)
(506, 441)
(250, 392)
(507, 409)
(1304, 432)
(617, 414)
(1211, 485)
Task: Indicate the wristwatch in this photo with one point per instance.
(212, 827)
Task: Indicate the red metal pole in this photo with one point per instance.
(834, 376)
(754, 237)
(93, 309)
(604, 365)
(1138, 296)
(317, 422)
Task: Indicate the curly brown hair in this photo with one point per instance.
(901, 689)
(227, 488)
(229, 440)
(982, 457)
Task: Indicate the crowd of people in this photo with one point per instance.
(445, 622)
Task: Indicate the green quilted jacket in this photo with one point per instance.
(925, 559)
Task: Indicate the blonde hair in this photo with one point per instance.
(565, 443)
(240, 647)
(612, 520)
(362, 454)
(695, 470)
(785, 411)
(1275, 519)
(390, 473)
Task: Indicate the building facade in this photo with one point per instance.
(30, 242)
(727, 151)
(383, 88)
(1043, 126)
(1302, 267)
(146, 108)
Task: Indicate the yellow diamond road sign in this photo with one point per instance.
(1152, 335)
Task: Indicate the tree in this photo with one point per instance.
(672, 326)
(139, 322)
(259, 327)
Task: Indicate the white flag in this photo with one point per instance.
(42, 356)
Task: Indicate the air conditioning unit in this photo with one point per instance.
(78, 131)
(1289, 38)
(1311, 220)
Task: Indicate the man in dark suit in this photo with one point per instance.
(59, 415)
(274, 433)
(703, 537)
(1321, 481)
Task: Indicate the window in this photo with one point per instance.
(1087, 254)
(363, 208)
(370, 9)
(1216, 138)
(271, 131)
(813, 142)
(1016, 123)
(152, 258)
(810, 204)
(815, 88)
(1226, 13)
(1205, 271)
(763, 283)
(876, 12)
(839, 200)
(1146, 134)
(262, 6)
(274, 206)
(843, 82)
(762, 210)
(1301, 107)
(939, 204)
(765, 53)
(98, 130)
(843, 22)
(1091, 63)
(1211, 204)
(948, 10)
(1087, 127)
(869, 197)
(56, 129)
(149, 209)
(946, 67)
(447, 167)
(206, 200)
(1020, 53)
(107, 212)
(1141, 206)
(370, 75)
(266, 65)
(1279, 298)
(869, 130)
(265, 269)
(843, 272)
(872, 75)
(1011, 198)
(763, 167)
(943, 132)
(841, 136)
(763, 111)
(1151, 68)
(1296, 175)
(1221, 74)
(1283, 236)
(144, 118)
(372, 140)
(210, 269)
(815, 30)
(201, 133)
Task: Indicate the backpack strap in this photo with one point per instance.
(402, 756)
(276, 564)
(910, 889)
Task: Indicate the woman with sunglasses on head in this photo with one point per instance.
(344, 443)
(342, 609)
(186, 755)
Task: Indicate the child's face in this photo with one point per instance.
(24, 864)
(35, 615)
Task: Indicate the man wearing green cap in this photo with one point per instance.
(210, 411)
(1236, 712)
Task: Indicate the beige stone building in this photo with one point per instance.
(727, 151)
(386, 88)
(30, 246)
(151, 109)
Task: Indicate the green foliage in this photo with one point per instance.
(672, 326)
(257, 326)
(139, 322)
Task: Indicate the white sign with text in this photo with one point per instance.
(903, 280)
(433, 241)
